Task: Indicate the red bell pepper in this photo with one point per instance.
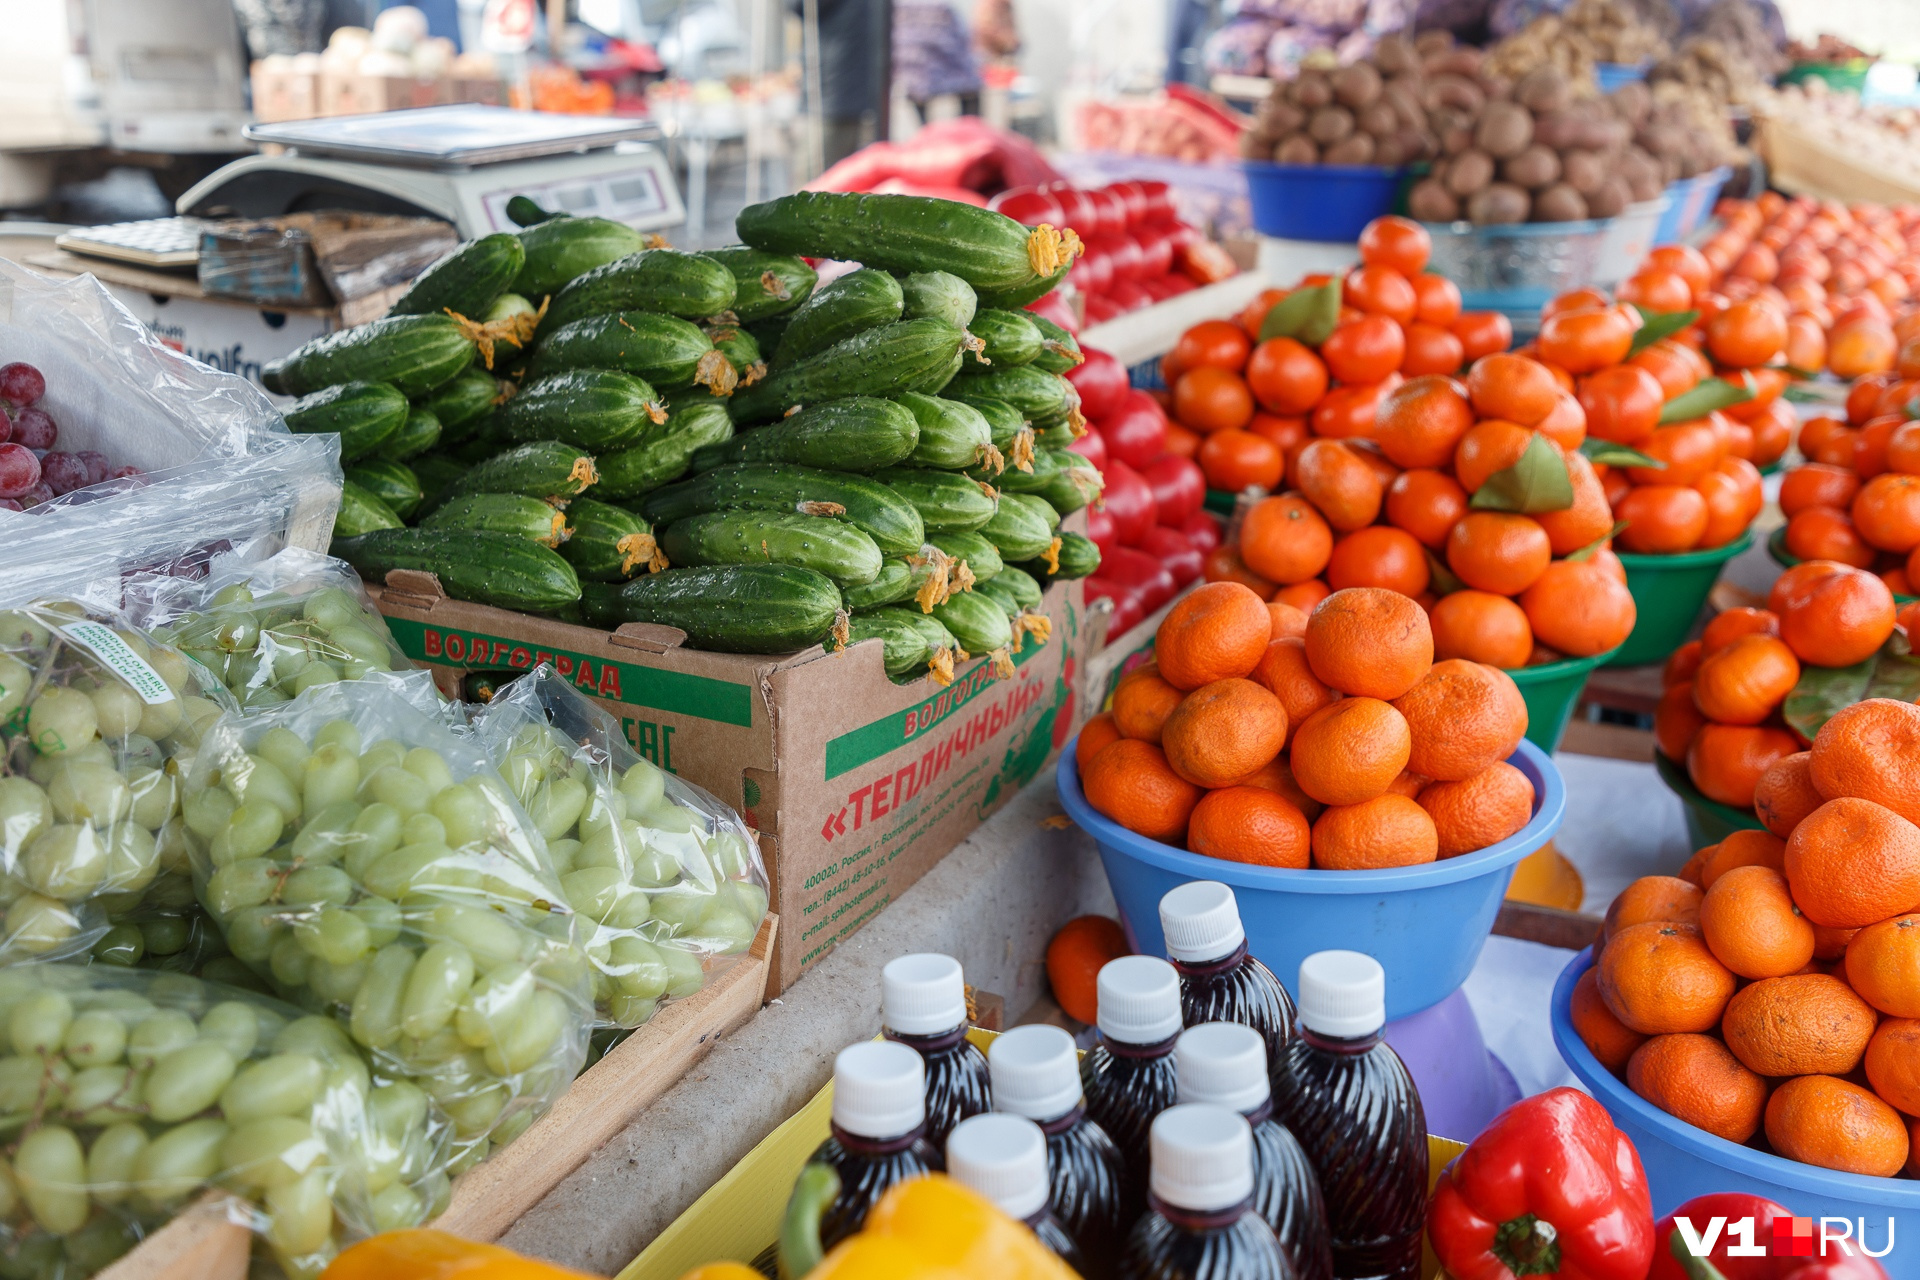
(1179, 488)
(1135, 428)
(1101, 381)
(1129, 500)
(1550, 1188)
(1093, 447)
(1672, 1260)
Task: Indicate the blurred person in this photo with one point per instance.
(853, 73)
(932, 55)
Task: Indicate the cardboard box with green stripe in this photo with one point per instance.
(856, 785)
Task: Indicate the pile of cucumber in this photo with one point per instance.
(563, 421)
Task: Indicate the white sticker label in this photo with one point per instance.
(104, 644)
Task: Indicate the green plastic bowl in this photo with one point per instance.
(1777, 550)
(1220, 501)
(1551, 690)
(1667, 594)
(1708, 821)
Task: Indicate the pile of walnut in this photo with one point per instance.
(1584, 33)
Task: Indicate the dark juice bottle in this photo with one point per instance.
(1128, 1077)
(1036, 1074)
(1219, 980)
(879, 1132)
(1200, 1222)
(1004, 1158)
(923, 1005)
(1224, 1064)
(1349, 1100)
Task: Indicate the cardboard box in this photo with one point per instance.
(280, 94)
(856, 785)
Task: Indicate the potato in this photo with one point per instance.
(1543, 89)
(1355, 148)
(1379, 119)
(1433, 43)
(1534, 168)
(1460, 60)
(1498, 205)
(1356, 85)
(1468, 172)
(1296, 148)
(1430, 201)
(1406, 105)
(1559, 203)
(1632, 101)
(1504, 130)
(1456, 137)
(1329, 124)
(1255, 146)
(1393, 150)
(1583, 171)
(1312, 89)
(1611, 200)
(1279, 117)
(1396, 55)
(1454, 91)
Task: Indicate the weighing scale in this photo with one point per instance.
(460, 163)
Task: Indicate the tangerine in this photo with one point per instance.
(1285, 539)
(1217, 632)
(1250, 824)
(1224, 731)
(1480, 626)
(1130, 782)
(1350, 751)
(1388, 830)
(1854, 863)
(1366, 640)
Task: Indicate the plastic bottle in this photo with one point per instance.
(1036, 1074)
(1349, 1100)
(923, 1005)
(1128, 1077)
(879, 1131)
(1004, 1158)
(1219, 980)
(1200, 1223)
(1225, 1064)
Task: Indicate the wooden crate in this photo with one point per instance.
(205, 1242)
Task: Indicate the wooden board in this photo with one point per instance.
(1152, 331)
(203, 1242)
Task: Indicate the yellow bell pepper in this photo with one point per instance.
(933, 1228)
(436, 1255)
(723, 1271)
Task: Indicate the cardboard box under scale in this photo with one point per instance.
(857, 785)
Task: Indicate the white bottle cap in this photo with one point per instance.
(1035, 1072)
(1139, 1000)
(922, 995)
(1201, 921)
(1002, 1157)
(1223, 1064)
(879, 1089)
(1202, 1157)
(1342, 994)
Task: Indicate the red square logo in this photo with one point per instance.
(1792, 1238)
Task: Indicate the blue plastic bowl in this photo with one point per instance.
(1425, 925)
(1692, 201)
(1318, 201)
(1612, 75)
(1683, 1162)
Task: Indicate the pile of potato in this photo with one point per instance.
(1367, 113)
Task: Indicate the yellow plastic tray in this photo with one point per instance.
(739, 1216)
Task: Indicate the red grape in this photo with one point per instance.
(63, 472)
(21, 383)
(36, 495)
(121, 473)
(97, 465)
(11, 504)
(19, 470)
(34, 429)
(6, 425)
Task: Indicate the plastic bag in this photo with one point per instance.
(220, 468)
(370, 862)
(667, 881)
(91, 718)
(124, 1094)
(261, 632)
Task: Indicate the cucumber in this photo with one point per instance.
(768, 333)
(740, 349)
(436, 473)
(609, 544)
(464, 402)
(467, 280)
(1011, 338)
(1039, 506)
(1044, 399)
(363, 414)
(894, 583)
(978, 623)
(414, 353)
(936, 381)
(941, 295)
(667, 352)
(840, 551)
(948, 503)
(908, 233)
(1073, 484)
(1059, 437)
(942, 648)
(593, 408)
(419, 433)
(1003, 420)
(1059, 350)
(876, 362)
(904, 650)
(523, 212)
(510, 324)
(1078, 557)
(1045, 465)
(1017, 531)
(982, 558)
(1002, 597)
(735, 608)
(512, 513)
(890, 520)
(361, 512)
(392, 482)
(486, 568)
(764, 284)
(661, 457)
(560, 249)
(1017, 298)
(837, 310)
(858, 434)
(545, 469)
(1018, 585)
(952, 434)
(667, 281)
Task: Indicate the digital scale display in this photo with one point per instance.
(624, 196)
